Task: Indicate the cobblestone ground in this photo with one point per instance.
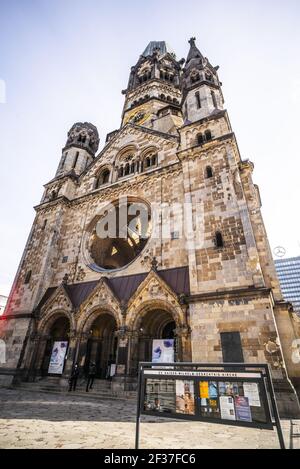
(43, 420)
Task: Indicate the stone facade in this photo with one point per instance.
(213, 275)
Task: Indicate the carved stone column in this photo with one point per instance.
(122, 352)
(184, 349)
(39, 342)
(81, 349)
(70, 357)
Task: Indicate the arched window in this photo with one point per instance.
(148, 162)
(126, 172)
(103, 178)
(75, 159)
(132, 168)
(214, 99)
(209, 172)
(121, 172)
(208, 135)
(219, 240)
(27, 277)
(200, 139)
(153, 160)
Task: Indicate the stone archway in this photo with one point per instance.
(55, 330)
(154, 324)
(100, 343)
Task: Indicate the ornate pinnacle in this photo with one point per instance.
(65, 279)
(154, 264)
(192, 41)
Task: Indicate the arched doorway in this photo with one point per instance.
(154, 325)
(58, 335)
(102, 344)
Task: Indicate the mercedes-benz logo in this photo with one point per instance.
(279, 251)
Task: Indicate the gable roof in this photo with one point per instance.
(123, 287)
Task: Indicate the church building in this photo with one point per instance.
(187, 260)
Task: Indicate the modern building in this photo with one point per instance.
(288, 271)
(159, 236)
(3, 301)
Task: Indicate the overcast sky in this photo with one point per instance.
(64, 61)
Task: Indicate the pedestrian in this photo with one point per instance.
(91, 377)
(74, 377)
(109, 368)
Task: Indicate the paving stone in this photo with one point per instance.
(40, 420)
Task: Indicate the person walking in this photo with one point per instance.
(91, 377)
(74, 378)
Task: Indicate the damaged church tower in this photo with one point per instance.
(214, 291)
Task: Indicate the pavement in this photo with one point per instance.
(44, 420)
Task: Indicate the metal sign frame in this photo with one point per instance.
(197, 372)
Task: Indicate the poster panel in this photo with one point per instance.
(242, 409)
(227, 408)
(163, 351)
(57, 359)
(252, 392)
(185, 397)
(160, 396)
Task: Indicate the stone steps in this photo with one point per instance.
(101, 390)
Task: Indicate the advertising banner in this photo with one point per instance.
(57, 359)
(242, 409)
(251, 391)
(163, 351)
(227, 408)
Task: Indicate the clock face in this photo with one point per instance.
(138, 116)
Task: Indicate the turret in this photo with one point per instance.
(201, 88)
(80, 149)
(154, 84)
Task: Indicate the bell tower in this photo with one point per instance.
(153, 94)
(80, 149)
(201, 88)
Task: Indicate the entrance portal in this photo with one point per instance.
(102, 344)
(59, 332)
(157, 324)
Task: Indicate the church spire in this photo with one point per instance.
(201, 88)
(194, 52)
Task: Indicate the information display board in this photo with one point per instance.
(231, 394)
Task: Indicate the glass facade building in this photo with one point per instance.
(288, 271)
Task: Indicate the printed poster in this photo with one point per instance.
(57, 359)
(242, 409)
(185, 397)
(163, 351)
(252, 393)
(213, 390)
(204, 390)
(227, 408)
